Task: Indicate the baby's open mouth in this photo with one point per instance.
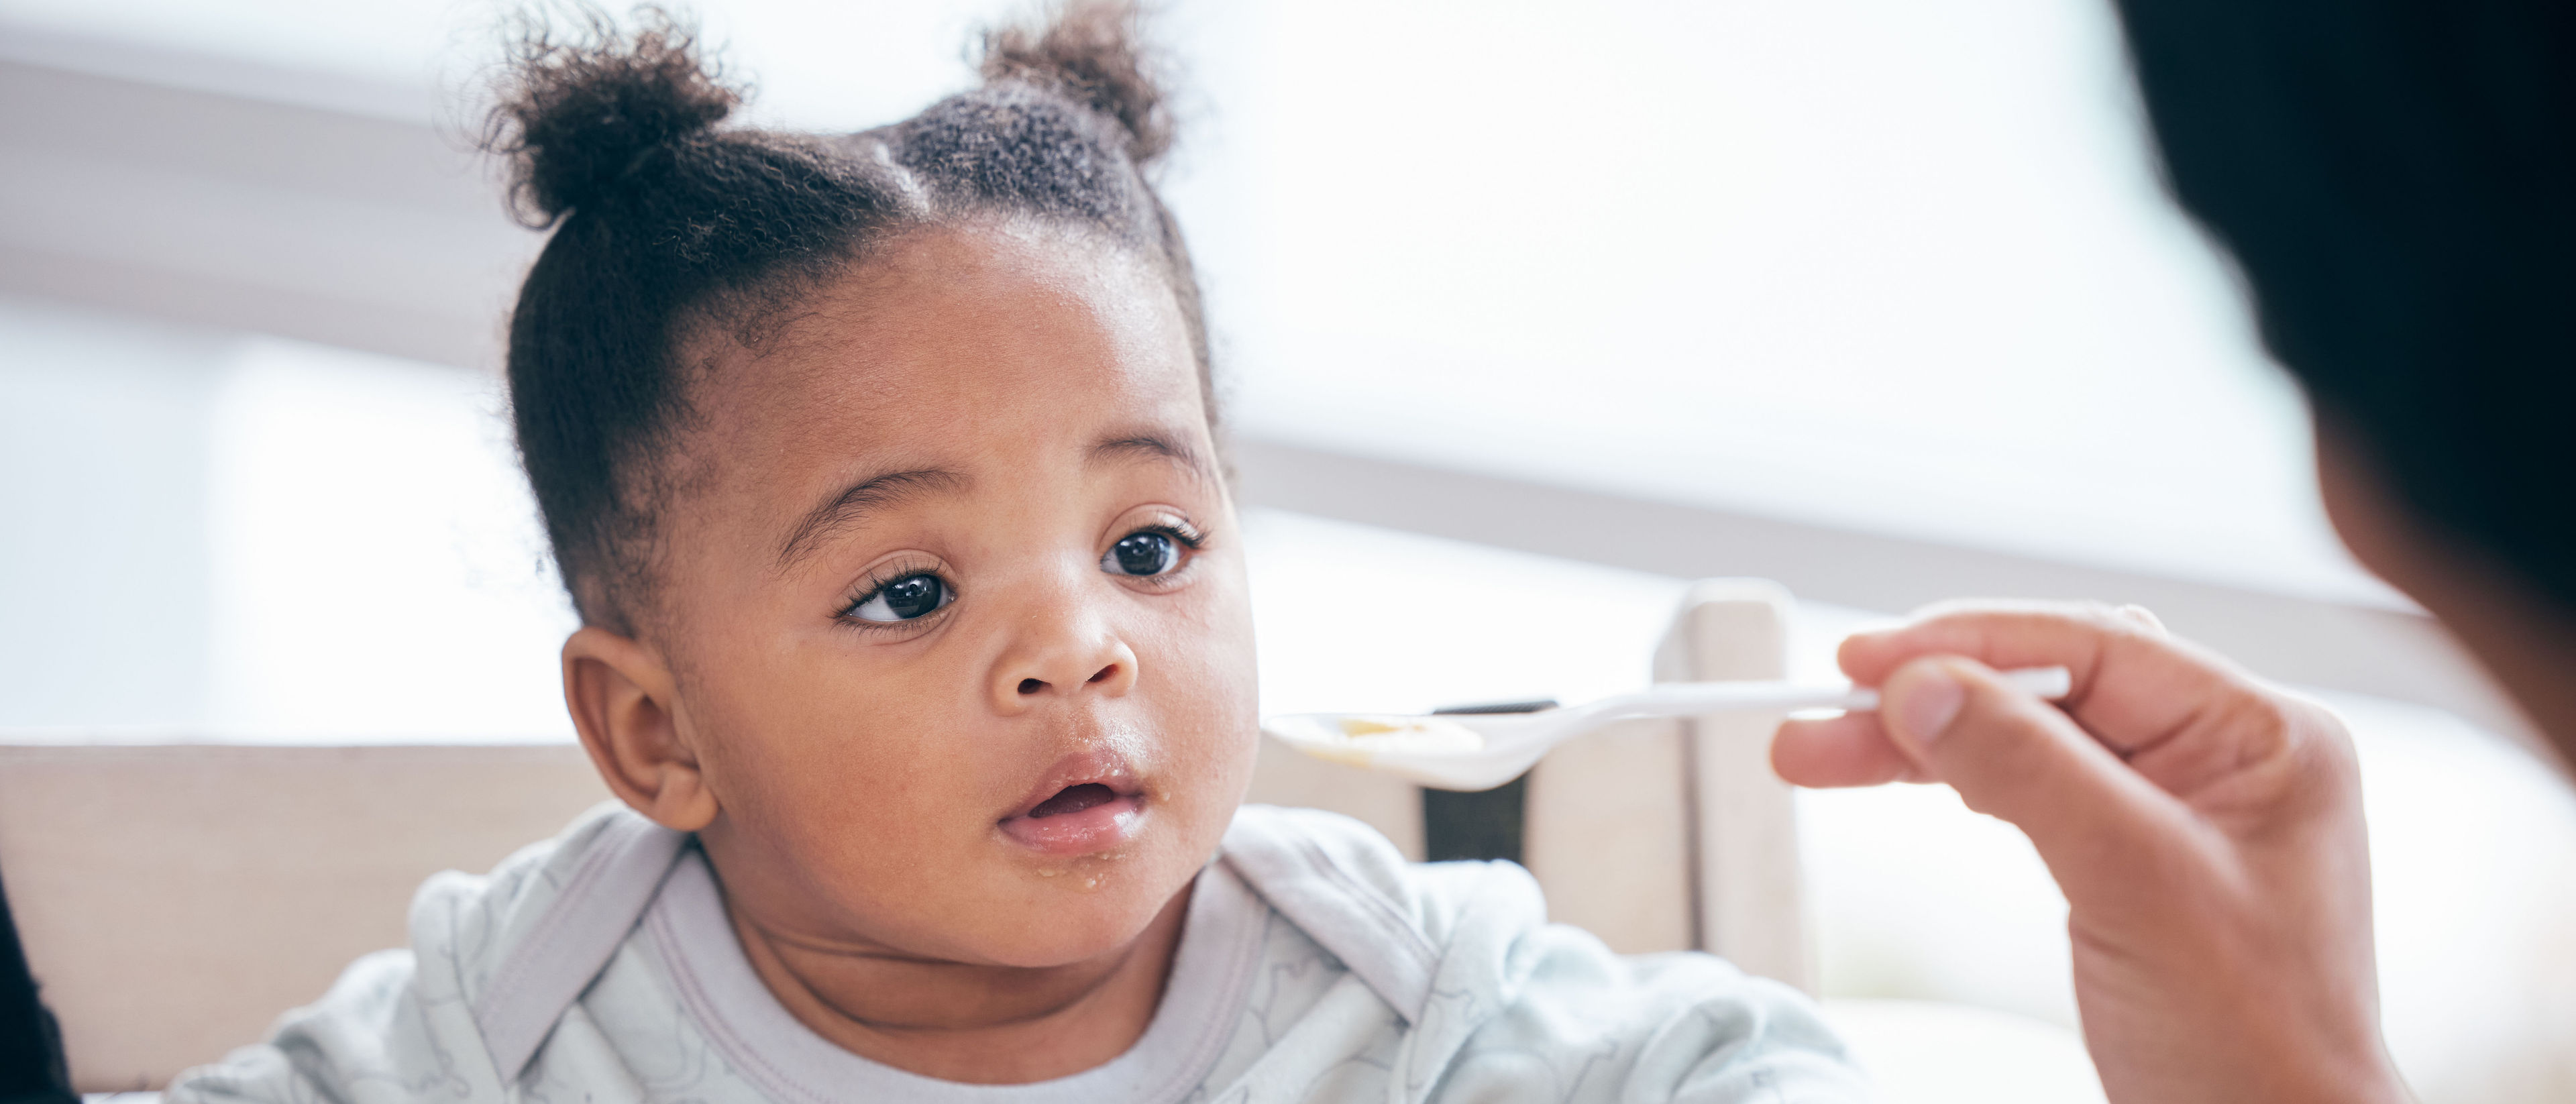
(1074, 799)
(1089, 803)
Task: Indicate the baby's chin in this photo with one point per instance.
(1083, 910)
(1066, 908)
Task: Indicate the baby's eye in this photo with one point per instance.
(1146, 553)
(903, 599)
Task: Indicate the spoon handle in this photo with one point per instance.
(1680, 699)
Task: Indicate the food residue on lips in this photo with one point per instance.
(1358, 740)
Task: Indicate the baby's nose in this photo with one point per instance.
(1085, 659)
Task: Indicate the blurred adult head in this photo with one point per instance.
(2397, 179)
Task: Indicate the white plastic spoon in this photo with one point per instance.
(1479, 751)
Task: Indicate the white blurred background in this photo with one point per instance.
(1527, 313)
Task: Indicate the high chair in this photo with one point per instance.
(174, 898)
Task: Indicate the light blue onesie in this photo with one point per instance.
(1315, 965)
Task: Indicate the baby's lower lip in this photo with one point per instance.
(1083, 832)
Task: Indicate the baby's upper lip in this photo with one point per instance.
(1092, 766)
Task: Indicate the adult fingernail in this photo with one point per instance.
(1930, 704)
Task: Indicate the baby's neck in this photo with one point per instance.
(994, 1025)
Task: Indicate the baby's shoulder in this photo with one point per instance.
(494, 960)
(520, 944)
(1391, 921)
(1463, 952)
(607, 862)
(1593, 1025)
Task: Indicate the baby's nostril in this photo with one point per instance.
(1031, 686)
(1105, 672)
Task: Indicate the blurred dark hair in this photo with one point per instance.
(667, 226)
(2398, 180)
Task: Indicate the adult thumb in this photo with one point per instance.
(2013, 756)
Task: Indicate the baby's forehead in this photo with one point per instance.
(964, 314)
(951, 341)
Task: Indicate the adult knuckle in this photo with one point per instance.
(2268, 726)
(2115, 619)
(2143, 618)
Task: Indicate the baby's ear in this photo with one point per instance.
(621, 696)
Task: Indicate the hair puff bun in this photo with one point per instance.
(1088, 54)
(579, 117)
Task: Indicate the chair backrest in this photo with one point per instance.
(1749, 890)
(173, 899)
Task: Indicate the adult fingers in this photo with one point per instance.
(1849, 750)
(2175, 711)
(2096, 822)
(2003, 634)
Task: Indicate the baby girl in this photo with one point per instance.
(883, 471)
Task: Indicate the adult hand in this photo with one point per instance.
(2205, 827)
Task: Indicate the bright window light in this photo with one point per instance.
(1883, 266)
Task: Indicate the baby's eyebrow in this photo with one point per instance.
(852, 505)
(1154, 446)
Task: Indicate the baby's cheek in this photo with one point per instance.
(1209, 725)
(1213, 699)
(839, 771)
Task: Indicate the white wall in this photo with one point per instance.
(218, 534)
(105, 595)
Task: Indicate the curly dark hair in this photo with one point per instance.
(668, 225)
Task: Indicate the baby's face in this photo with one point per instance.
(953, 601)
